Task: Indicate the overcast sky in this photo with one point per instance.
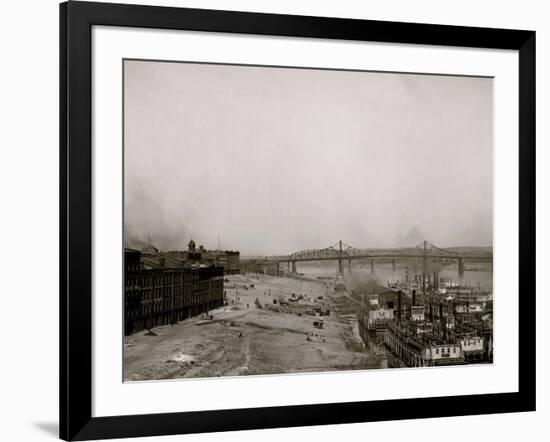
(275, 160)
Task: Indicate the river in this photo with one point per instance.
(475, 274)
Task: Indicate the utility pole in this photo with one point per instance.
(150, 332)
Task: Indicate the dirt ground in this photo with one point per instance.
(249, 338)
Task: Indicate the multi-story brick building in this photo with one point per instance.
(165, 295)
(228, 259)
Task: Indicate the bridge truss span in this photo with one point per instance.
(342, 250)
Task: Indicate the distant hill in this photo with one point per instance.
(467, 249)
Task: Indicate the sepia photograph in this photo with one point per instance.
(287, 220)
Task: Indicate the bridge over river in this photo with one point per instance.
(341, 252)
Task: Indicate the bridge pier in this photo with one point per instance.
(393, 266)
(460, 267)
(278, 268)
(349, 266)
(293, 266)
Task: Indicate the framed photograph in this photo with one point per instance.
(273, 220)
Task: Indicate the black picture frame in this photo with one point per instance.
(76, 21)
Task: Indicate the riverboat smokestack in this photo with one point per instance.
(414, 297)
(399, 313)
(442, 321)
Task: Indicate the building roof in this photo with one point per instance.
(161, 261)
